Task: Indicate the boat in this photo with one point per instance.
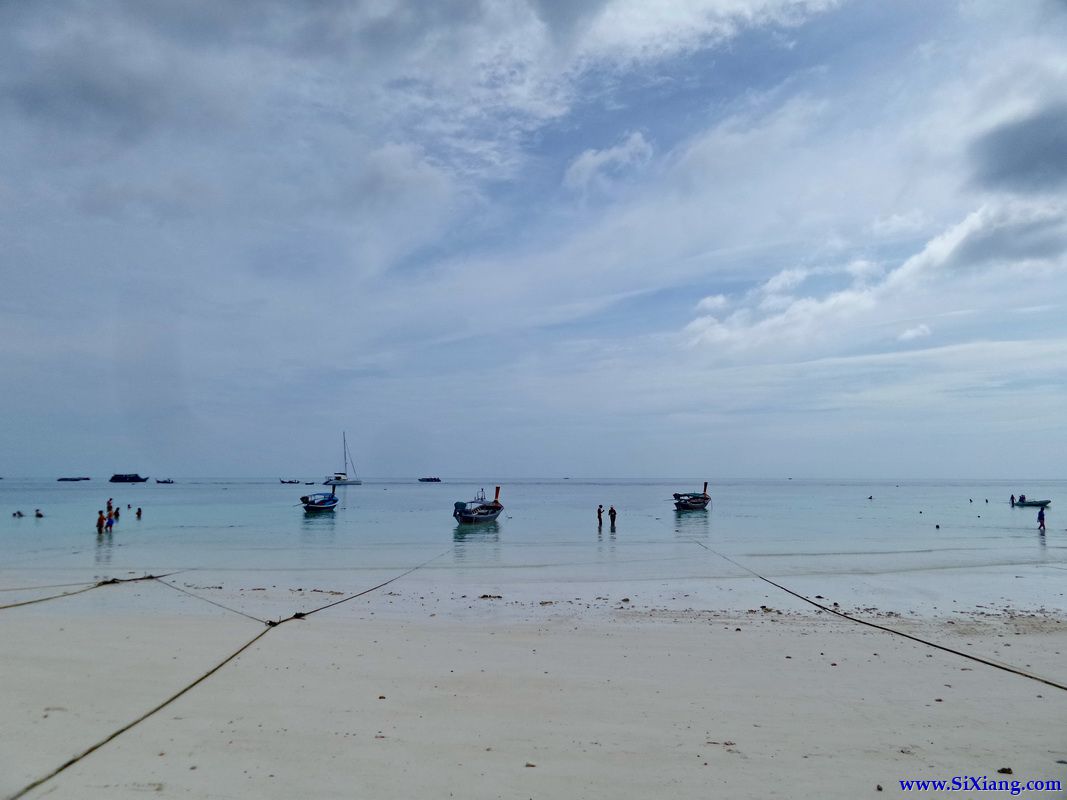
(127, 478)
(429, 480)
(1033, 503)
(341, 478)
(692, 501)
(320, 501)
(70, 480)
(282, 480)
(165, 480)
(478, 509)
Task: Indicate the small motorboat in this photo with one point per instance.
(282, 480)
(320, 501)
(71, 480)
(692, 501)
(1033, 503)
(429, 480)
(478, 509)
(165, 480)
(127, 478)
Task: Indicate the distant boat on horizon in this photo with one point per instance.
(283, 480)
(71, 480)
(341, 478)
(429, 480)
(127, 478)
(165, 480)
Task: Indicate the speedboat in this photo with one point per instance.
(320, 501)
(1033, 503)
(692, 501)
(478, 509)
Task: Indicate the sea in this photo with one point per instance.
(911, 546)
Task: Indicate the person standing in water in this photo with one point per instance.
(600, 516)
(110, 521)
(1041, 519)
(138, 512)
(612, 513)
(99, 521)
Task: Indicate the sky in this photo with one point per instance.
(517, 238)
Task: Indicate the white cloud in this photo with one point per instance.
(713, 302)
(597, 168)
(920, 331)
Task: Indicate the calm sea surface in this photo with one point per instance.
(816, 535)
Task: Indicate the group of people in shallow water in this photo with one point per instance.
(612, 513)
(106, 523)
(36, 512)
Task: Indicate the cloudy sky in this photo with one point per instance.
(534, 237)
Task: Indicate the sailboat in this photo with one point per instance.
(341, 478)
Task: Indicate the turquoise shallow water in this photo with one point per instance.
(818, 535)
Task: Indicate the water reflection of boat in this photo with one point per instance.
(320, 501)
(489, 532)
(692, 501)
(686, 524)
(478, 510)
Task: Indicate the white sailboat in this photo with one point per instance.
(341, 478)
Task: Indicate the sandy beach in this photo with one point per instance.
(426, 690)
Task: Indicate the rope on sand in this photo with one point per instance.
(271, 624)
(303, 614)
(97, 585)
(988, 662)
(71, 762)
(212, 602)
(46, 586)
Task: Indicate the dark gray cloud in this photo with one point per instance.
(1041, 237)
(1024, 155)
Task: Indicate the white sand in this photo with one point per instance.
(606, 702)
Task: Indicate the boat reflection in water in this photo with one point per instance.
(687, 524)
(476, 544)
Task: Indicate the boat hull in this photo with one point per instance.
(1033, 503)
(692, 505)
(348, 482)
(476, 519)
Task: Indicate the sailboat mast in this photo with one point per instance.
(344, 446)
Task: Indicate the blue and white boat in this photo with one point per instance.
(320, 501)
